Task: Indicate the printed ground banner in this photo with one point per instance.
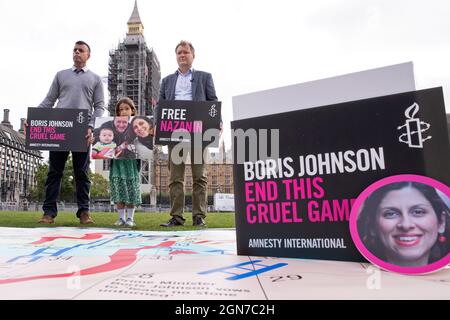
(57, 129)
(188, 117)
(297, 203)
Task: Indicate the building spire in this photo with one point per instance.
(135, 25)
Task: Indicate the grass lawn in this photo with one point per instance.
(144, 220)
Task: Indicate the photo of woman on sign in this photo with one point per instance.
(142, 132)
(405, 224)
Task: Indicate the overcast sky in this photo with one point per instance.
(248, 45)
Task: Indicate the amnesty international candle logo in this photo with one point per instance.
(57, 129)
(80, 117)
(294, 194)
(414, 128)
(213, 112)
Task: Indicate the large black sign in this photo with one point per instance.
(57, 129)
(297, 203)
(179, 120)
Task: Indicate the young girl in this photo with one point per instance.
(124, 176)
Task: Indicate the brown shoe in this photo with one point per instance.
(85, 218)
(46, 219)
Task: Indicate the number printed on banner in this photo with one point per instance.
(286, 277)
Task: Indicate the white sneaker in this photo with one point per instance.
(130, 223)
(120, 223)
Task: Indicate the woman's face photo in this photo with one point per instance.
(401, 223)
(121, 124)
(407, 226)
(141, 128)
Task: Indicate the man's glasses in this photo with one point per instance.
(78, 49)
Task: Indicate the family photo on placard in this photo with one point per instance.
(123, 137)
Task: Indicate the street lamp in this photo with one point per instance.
(25, 201)
(72, 181)
(160, 186)
(216, 196)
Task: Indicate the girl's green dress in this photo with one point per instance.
(124, 182)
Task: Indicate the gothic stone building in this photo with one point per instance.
(18, 165)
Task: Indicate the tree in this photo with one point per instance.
(99, 186)
(68, 183)
(38, 192)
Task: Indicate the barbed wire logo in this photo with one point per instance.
(414, 128)
(213, 112)
(80, 117)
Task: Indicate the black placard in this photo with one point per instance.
(57, 129)
(298, 205)
(193, 117)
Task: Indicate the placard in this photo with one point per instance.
(297, 203)
(188, 118)
(57, 129)
(123, 138)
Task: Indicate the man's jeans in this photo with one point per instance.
(57, 162)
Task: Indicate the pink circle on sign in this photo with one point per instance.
(355, 212)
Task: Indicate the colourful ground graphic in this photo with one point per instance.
(72, 263)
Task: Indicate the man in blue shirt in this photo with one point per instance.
(187, 84)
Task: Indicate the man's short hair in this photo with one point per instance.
(185, 43)
(83, 43)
